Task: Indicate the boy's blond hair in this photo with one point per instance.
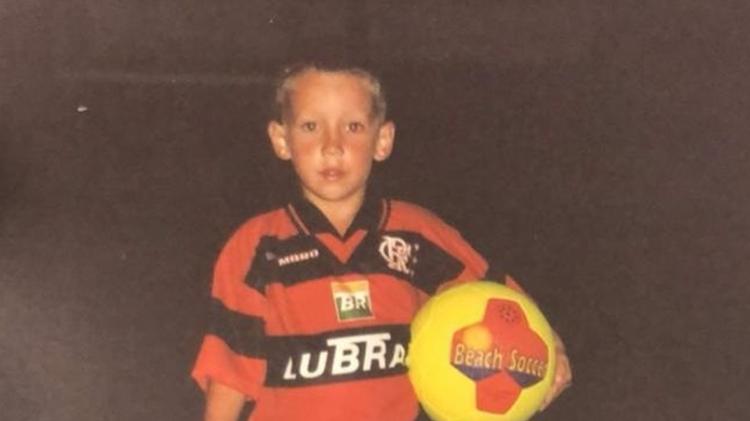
(285, 84)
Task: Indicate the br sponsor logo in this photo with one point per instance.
(352, 300)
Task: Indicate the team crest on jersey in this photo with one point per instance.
(398, 254)
(352, 300)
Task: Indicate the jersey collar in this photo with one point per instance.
(310, 220)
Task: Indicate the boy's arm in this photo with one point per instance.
(563, 372)
(222, 403)
(475, 267)
(230, 366)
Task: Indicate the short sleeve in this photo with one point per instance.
(446, 258)
(232, 351)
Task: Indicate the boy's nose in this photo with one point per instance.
(332, 144)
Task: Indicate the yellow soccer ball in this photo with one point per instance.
(481, 351)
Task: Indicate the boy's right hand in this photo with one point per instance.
(563, 374)
(222, 403)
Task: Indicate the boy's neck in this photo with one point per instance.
(341, 213)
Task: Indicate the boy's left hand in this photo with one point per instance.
(563, 374)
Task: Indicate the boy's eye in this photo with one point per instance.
(355, 127)
(309, 126)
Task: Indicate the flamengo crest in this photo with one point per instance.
(398, 254)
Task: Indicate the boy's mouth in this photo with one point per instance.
(331, 174)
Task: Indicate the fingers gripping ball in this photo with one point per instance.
(481, 352)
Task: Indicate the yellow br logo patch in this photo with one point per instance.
(352, 300)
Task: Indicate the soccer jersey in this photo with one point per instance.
(312, 325)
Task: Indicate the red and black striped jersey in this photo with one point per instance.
(311, 325)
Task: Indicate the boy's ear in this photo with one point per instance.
(384, 144)
(277, 134)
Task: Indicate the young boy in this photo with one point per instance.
(312, 302)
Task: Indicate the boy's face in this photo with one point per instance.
(331, 136)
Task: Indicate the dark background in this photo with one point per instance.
(597, 149)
